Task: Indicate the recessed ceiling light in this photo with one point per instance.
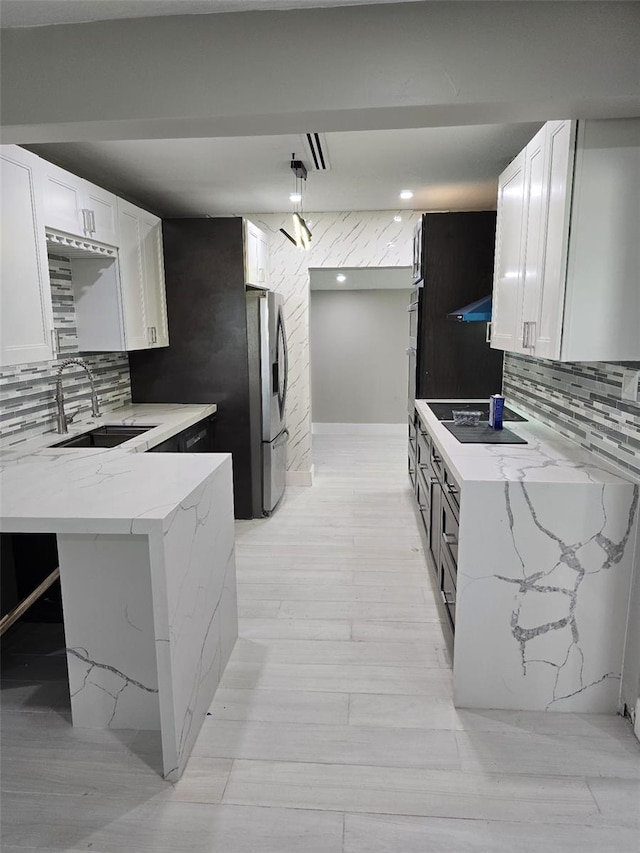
(405, 195)
(397, 219)
(295, 197)
(341, 278)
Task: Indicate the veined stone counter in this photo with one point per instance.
(146, 551)
(545, 559)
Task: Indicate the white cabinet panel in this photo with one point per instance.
(555, 239)
(132, 277)
(256, 248)
(508, 273)
(78, 207)
(103, 206)
(535, 195)
(25, 294)
(154, 288)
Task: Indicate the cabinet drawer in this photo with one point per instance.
(448, 586)
(449, 531)
(451, 490)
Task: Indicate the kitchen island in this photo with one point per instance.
(146, 552)
(542, 567)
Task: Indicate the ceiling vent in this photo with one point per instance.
(315, 145)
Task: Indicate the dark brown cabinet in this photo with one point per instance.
(454, 359)
(438, 503)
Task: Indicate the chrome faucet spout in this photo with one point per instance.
(95, 405)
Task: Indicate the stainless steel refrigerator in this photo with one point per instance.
(268, 375)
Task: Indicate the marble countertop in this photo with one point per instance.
(117, 490)
(547, 457)
(167, 419)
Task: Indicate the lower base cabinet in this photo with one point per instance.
(437, 498)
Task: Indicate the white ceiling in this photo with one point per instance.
(452, 168)
(34, 13)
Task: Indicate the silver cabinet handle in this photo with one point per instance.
(86, 224)
(449, 539)
(155, 334)
(411, 351)
(524, 335)
(531, 339)
(487, 336)
(55, 341)
(452, 489)
(450, 602)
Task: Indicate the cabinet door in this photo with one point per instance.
(508, 281)
(64, 201)
(154, 289)
(103, 214)
(263, 258)
(132, 277)
(256, 254)
(25, 294)
(536, 194)
(560, 157)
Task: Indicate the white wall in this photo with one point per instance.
(358, 360)
(356, 239)
(350, 68)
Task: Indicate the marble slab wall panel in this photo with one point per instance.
(109, 631)
(354, 239)
(194, 594)
(27, 391)
(542, 602)
(581, 401)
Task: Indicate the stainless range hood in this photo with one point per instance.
(475, 312)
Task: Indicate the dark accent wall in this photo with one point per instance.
(454, 359)
(207, 357)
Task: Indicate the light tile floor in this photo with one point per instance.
(333, 730)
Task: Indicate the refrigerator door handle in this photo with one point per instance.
(285, 357)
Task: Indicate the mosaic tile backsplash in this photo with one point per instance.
(580, 400)
(27, 391)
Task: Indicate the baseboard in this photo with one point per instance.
(299, 478)
(359, 429)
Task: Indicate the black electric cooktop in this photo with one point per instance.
(444, 411)
(483, 434)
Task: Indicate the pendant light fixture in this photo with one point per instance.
(301, 230)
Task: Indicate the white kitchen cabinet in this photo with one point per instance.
(77, 207)
(508, 272)
(120, 301)
(153, 276)
(576, 294)
(256, 255)
(142, 278)
(26, 324)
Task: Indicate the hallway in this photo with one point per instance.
(333, 730)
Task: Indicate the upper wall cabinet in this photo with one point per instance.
(567, 244)
(78, 207)
(256, 255)
(26, 318)
(120, 303)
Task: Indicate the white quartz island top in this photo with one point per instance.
(545, 553)
(147, 569)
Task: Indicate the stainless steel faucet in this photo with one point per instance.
(95, 406)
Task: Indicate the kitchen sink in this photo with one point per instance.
(109, 435)
(444, 411)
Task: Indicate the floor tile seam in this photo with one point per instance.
(579, 819)
(394, 815)
(480, 775)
